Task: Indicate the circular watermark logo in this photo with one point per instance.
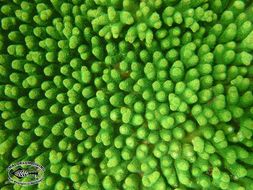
(25, 173)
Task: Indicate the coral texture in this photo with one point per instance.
(128, 94)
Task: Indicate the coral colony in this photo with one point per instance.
(128, 94)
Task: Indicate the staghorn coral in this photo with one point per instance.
(127, 94)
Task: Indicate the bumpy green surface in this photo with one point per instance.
(128, 94)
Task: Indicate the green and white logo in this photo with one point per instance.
(25, 173)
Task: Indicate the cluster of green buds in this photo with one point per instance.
(128, 94)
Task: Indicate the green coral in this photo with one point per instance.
(128, 94)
